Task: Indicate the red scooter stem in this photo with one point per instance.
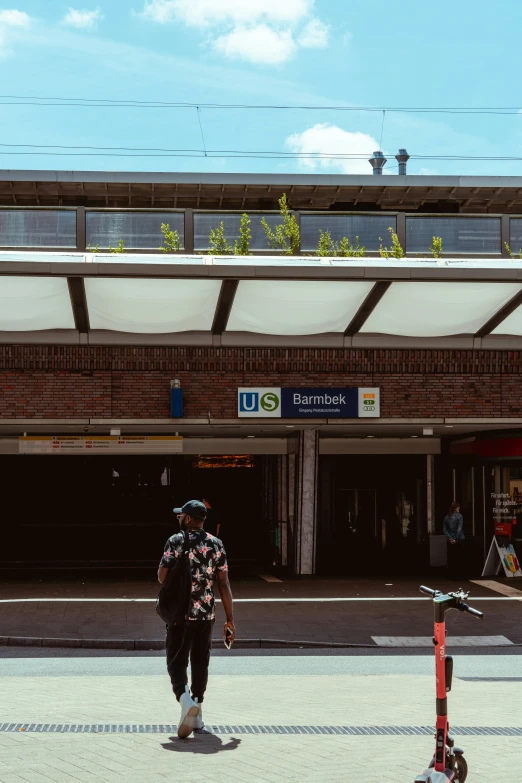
(442, 700)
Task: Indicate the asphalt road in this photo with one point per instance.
(47, 663)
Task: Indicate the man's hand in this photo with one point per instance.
(226, 598)
(229, 624)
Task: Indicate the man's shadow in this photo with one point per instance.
(202, 742)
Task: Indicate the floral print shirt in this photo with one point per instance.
(207, 555)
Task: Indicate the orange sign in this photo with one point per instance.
(503, 529)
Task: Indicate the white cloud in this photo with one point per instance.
(14, 18)
(314, 35)
(83, 19)
(330, 139)
(201, 13)
(259, 31)
(258, 44)
(10, 19)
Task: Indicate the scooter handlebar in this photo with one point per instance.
(470, 610)
(428, 591)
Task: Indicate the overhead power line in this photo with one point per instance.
(36, 100)
(167, 152)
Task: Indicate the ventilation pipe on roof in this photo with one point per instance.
(402, 158)
(378, 162)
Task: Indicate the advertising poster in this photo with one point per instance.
(502, 553)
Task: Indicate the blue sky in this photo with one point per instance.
(326, 53)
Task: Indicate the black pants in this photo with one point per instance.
(192, 640)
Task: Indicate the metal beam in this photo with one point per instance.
(79, 303)
(505, 235)
(224, 305)
(502, 314)
(250, 340)
(81, 229)
(455, 270)
(367, 307)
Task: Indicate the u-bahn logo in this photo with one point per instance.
(259, 402)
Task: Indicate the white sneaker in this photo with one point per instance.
(199, 724)
(189, 715)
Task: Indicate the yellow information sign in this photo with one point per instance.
(100, 444)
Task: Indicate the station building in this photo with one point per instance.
(328, 409)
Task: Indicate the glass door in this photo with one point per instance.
(356, 527)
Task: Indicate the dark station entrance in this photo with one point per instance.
(372, 515)
(110, 514)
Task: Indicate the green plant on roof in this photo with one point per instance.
(436, 247)
(396, 250)
(118, 249)
(218, 242)
(328, 247)
(171, 239)
(242, 245)
(357, 250)
(510, 252)
(285, 237)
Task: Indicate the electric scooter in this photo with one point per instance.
(448, 763)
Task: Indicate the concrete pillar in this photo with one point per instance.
(283, 508)
(430, 493)
(306, 501)
(291, 473)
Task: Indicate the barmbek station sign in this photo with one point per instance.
(343, 403)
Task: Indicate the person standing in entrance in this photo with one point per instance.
(453, 525)
(193, 639)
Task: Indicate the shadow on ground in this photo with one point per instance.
(204, 742)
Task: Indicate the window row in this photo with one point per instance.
(47, 228)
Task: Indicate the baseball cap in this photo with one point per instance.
(194, 508)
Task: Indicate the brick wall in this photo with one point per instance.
(119, 382)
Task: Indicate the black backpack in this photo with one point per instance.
(173, 601)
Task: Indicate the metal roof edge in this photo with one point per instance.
(227, 178)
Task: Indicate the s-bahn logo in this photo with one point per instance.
(261, 402)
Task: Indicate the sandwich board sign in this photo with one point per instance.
(502, 553)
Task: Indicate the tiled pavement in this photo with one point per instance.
(140, 759)
(282, 700)
(352, 622)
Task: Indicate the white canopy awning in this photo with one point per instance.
(296, 307)
(35, 303)
(151, 306)
(258, 301)
(438, 309)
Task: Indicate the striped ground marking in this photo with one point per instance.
(162, 728)
(499, 587)
(451, 641)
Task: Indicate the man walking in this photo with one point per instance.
(193, 638)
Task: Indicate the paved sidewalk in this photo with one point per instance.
(269, 611)
(379, 700)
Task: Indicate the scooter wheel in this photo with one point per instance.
(461, 769)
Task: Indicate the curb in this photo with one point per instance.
(239, 644)
(159, 644)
